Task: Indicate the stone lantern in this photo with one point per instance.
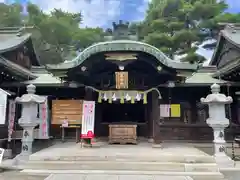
(218, 122)
(29, 120)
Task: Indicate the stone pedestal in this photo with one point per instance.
(28, 120)
(218, 122)
(27, 138)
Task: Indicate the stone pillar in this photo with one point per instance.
(28, 120)
(218, 122)
(156, 119)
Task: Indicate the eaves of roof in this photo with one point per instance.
(17, 69)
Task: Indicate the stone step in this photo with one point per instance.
(122, 165)
(193, 175)
(122, 157)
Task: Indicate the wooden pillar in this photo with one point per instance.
(88, 94)
(149, 119)
(98, 119)
(237, 109)
(156, 118)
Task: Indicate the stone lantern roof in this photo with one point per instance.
(30, 97)
(216, 96)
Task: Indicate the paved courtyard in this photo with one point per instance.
(144, 150)
(115, 177)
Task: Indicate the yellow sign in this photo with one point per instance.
(175, 110)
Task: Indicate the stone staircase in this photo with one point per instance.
(201, 167)
(170, 161)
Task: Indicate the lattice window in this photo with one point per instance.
(202, 112)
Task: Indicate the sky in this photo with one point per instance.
(101, 13)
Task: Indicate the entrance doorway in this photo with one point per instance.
(123, 113)
(127, 113)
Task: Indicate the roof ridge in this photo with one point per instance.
(14, 30)
(232, 27)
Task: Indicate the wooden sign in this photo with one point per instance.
(70, 110)
(121, 80)
(120, 56)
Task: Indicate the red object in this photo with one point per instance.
(89, 135)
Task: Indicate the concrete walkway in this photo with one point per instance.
(114, 177)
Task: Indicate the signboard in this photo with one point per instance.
(88, 119)
(121, 80)
(65, 123)
(3, 107)
(67, 109)
(164, 110)
(1, 154)
(11, 118)
(175, 110)
(44, 120)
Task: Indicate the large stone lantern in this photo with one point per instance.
(218, 122)
(29, 120)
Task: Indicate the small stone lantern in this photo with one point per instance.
(218, 122)
(29, 120)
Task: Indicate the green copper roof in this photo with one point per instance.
(9, 42)
(231, 33)
(197, 78)
(203, 78)
(17, 69)
(124, 45)
(45, 79)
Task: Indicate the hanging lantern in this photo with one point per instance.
(127, 97)
(114, 98)
(105, 97)
(138, 97)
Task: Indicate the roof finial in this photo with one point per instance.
(215, 88)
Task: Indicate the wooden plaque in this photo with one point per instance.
(121, 80)
(70, 110)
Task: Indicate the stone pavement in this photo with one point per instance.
(16, 175)
(114, 177)
(142, 151)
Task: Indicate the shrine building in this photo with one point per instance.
(136, 88)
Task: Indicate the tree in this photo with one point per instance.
(56, 36)
(10, 15)
(86, 37)
(174, 26)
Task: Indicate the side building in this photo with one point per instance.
(17, 57)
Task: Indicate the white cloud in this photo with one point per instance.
(95, 12)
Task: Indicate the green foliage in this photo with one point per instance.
(174, 25)
(170, 25)
(59, 33)
(10, 15)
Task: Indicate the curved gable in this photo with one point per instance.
(124, 45)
